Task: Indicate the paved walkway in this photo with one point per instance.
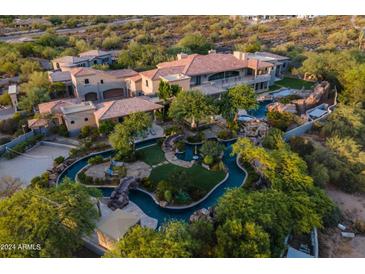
(171, 157)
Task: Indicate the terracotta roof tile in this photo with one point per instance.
(38, 122)
(120, 108)
(55, 106)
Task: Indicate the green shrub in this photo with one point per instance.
(168, 196)
(161, 188)
(281, 120)
(182, 198)
(58, 160)
(218, 166)
(40, 181)
(197, 138)
(225, 134)
(95, 160)
(88, 131)
(212, 148)
(62, 131)
(180, 145)
(146, 183)
(208, 160)
(173, 130)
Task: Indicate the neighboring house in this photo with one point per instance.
(113, 227)
(215, 72)
(63, 77)
(76, 115)
(96, 85)
(117, 110)
(38, 125)
(53, 108)
(85, 59)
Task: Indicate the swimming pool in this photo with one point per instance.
(261, 111)
(145, 202)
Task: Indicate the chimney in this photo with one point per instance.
(212, 51)
(181, 56)
(240, 55)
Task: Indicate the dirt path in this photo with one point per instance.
(332, 244)
(351, 205)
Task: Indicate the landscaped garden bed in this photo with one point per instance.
(181, 186)
(174, 184)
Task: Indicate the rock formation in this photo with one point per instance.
(202, 215)
(319, 94)
(280, 107)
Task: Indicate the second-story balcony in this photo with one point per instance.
(221, 85)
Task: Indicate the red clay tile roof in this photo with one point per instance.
(122, 73)
(135, 78)
(120, 108)
(196, 64)
(38, 122)
(55, 106)
(79, 71)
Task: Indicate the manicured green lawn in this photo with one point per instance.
(200, 177)
(151, 155)
(291, 83)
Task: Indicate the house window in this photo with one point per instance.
(72, 122)
(86, 81)
(86, 119)
(146, 83)
(101, 81)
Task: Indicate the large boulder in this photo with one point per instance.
(202, 214)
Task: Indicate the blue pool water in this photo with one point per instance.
(261, 111)
(145, 202)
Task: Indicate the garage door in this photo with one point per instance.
(91, 96)
(113, 93)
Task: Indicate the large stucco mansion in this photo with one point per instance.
(100, 95)
(212, 74)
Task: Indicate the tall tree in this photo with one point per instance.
(123, 136)
(238, 97)
(33, 97)
(171, 242)
(53, 220)
(196, 42)
(191, 105)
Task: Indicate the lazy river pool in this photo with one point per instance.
(145, 202)
(261, 111)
